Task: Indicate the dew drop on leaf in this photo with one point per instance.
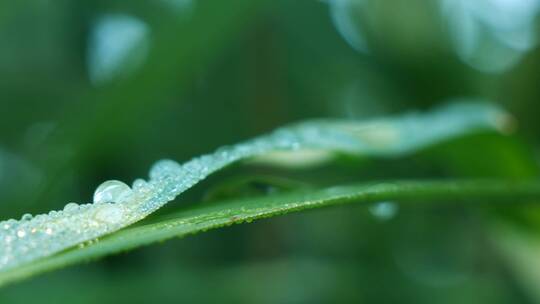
(111, 191)
(26, 217)
(71, 207)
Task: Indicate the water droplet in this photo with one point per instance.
(26, 217)
(9, 223)
(48, 231)
(384, 210)
(112, 191)
(21, 233)
(139, 184)
(71, 207)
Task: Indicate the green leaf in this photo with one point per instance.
(43, 235)
(202, 217)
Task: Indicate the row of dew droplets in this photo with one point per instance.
(168, 178)
(44, 234)
(116, 205)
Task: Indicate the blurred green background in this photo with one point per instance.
(96, 90)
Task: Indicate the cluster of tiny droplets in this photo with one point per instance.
(116, 205)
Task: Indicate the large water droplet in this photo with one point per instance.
(112, 191)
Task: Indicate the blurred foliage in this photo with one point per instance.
(216, 72)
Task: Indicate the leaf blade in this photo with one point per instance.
(200, 218)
